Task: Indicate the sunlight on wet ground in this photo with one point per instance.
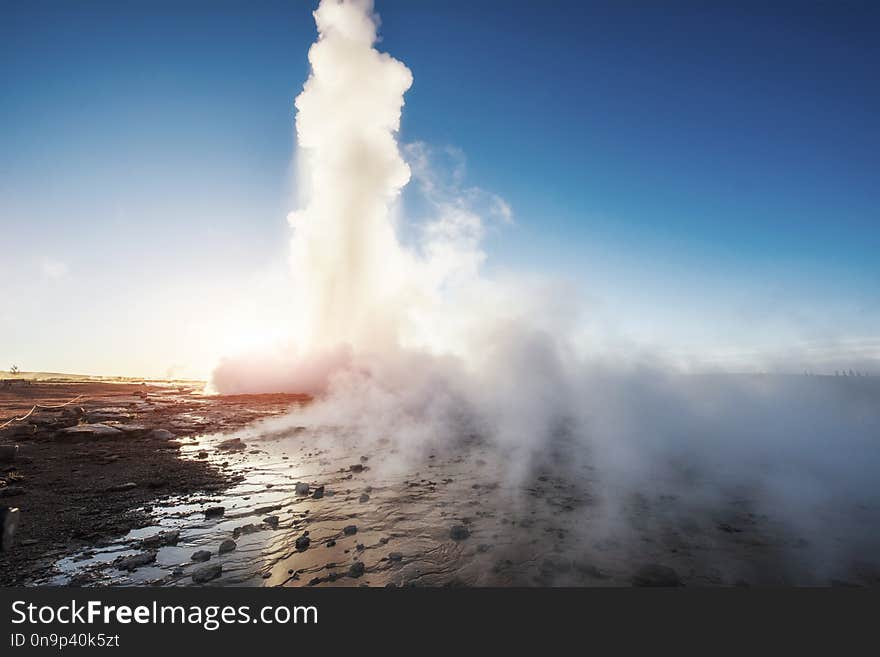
(384, 519)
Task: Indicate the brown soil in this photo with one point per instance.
(78, 491)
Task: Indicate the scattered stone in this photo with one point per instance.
(395, 556)
(459, 533)
(226, 546)
(364, 498)
(319, 493)
(94, 431)
(121, 488)
(207, 573)
(232, 444)
(129, 427)
(357, 467)
(202, 454)
(135, 561)
(161, 434)
(201, 555)
(302, 543)
(116, 413)
(654, 574)
(249, 528)
(265, 509)
(330, 543)
(214, 511)
(272, 521)
(162, 538)
(357, 569)
(350, 530)
(301, 488)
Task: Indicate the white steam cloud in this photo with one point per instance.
(414, 342)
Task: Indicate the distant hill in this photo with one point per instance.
(60, 377)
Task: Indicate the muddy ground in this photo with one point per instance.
(161, 485)
(81, 490)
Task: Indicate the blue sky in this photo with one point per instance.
(707, 176)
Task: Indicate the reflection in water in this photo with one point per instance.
(426, 519)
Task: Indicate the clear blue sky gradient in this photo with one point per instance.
(708, 175)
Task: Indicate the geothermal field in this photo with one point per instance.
(409, 414)
(158, 484)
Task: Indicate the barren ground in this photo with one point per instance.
(231, 498)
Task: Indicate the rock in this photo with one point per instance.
(266, 509)
(357, 467)
(207, 573)
(121, 488)
(459, 533)
(302, 543)
(130, 428)
(301, 488)
(108, 415)
(249, 528)
(161, 434)
(162, 538)
(357, 569)
(8, 453)
(201, 555)
(272, 521)
(214, 511)
(350, 530)
(226, 546)
(654, 574)
(232, 444)
(135, 561)
(364, 498)
(319, 493)
(90, 431)
(395, 556)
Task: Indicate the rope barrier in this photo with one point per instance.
(40, 406)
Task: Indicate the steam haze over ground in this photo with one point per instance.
(401, 334)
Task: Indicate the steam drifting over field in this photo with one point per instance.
(414, 343)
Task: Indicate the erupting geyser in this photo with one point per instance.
(349, 269)
(410, 342)
(359, 292)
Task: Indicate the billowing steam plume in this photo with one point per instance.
(413, 342)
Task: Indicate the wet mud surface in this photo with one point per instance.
(237, 499)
